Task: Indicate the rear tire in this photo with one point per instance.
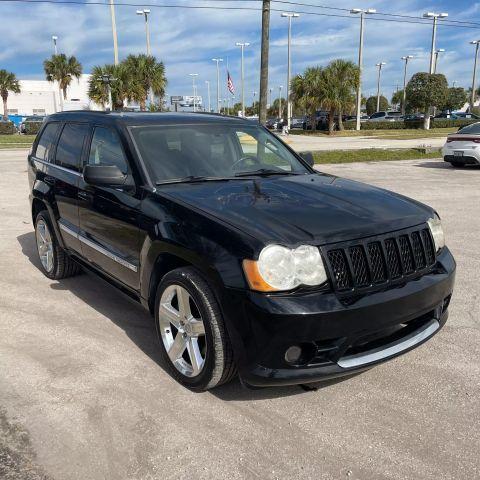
(194, 343)
(55, 262)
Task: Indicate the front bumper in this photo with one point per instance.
(339, 336)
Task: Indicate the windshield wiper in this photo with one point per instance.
(192, 179)
(264, 171)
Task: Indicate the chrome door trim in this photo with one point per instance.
(407, 342)
(49, 164)
(98, 248)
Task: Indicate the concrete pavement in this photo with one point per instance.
(82, 394)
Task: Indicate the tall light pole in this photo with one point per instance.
(208, 95)
(54, 39)
(193, 75)
(262, 117)
(435, 17)
(217, 61)
(145, 13)
(406, 58)
(360, 58)
(270, 97)
(289, 105)
(379, 65)
(242, 47)
(472, 100)
(114, 32)
(253, 104)
(280, 101)
(440, 50)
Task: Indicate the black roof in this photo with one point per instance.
(145, 118)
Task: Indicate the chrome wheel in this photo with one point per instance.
(182, 330)
(44, 245)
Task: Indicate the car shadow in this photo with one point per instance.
(445, 165)
(138, 325)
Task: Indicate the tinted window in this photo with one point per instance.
(46, 143)
(106, 149)
(473, 128)
(70, 145)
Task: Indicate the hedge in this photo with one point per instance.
(417, 123)
(397, 125)
(32, 128)
(7, 128)
(447, 122)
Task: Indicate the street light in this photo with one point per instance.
(208, 95)
(406, 58)
(270, 97)
(217, 61)
(253, 104)
(289, 106)
(435, 17)
(242, 46)
(362, 13)
(440, 50)
(379, 65)
(472, 101)
(280, 101)
(114, 32)
(146, 12)
(193, 75)
(55, 38)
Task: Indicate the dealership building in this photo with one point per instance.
(39, 97)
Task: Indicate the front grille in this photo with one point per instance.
(374, 262)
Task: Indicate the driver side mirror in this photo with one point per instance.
(308, 157)
(105, 176)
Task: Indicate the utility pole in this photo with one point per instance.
(114, 32)
(406, 58)
(217, 61)
(472, 100)
(379, 65)
(193, 75)
(360, 58)
(435, 17)
(280, 101)
(55, 38)
(208, 96)
(146, 12)
(264, 61)
(242, 46)
(289, 105)
(437, 52)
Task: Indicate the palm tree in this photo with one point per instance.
(8, 83)
(306, 91)
(147, 75)
(62, 69)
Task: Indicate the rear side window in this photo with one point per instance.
(47, 142)
(107, 150)
(70, 145)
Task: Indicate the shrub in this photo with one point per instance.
(448, 122)
(32, 128)
(7, 128)
(350, 125)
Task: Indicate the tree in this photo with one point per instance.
(146, 74)
(456, 98)
(61, 69)
(273, 110)
(371, 104)
(341, 77)
(425, 90)
(397, 99)
(8, 83)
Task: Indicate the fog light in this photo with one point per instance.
(293, 354)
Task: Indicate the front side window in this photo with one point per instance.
(106, 149)
(176, 152)
(70, 145)
(46, 142)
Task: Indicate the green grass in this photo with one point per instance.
(16, 141)
(400, 134)
(371, 155)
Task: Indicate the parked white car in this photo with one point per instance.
(463, 148)
(386, 116)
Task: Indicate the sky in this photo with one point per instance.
(187, 39)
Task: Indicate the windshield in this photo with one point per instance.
(213, 151)
(474, 128)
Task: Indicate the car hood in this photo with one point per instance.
(295, 209)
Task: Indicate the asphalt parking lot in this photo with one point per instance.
(82, 394)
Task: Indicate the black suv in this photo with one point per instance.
(249, 259)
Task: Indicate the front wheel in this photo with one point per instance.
(193, 340)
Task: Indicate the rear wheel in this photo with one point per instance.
(193, 340)
(56, 263)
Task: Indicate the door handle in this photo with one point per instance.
(85, 195)
(49, 180)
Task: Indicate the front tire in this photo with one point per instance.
(193, 340)
(55, 262)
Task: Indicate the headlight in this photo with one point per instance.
(280, 268)
(436, 229)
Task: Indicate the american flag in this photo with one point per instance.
(230, 85)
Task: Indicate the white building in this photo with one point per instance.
(39, 97)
